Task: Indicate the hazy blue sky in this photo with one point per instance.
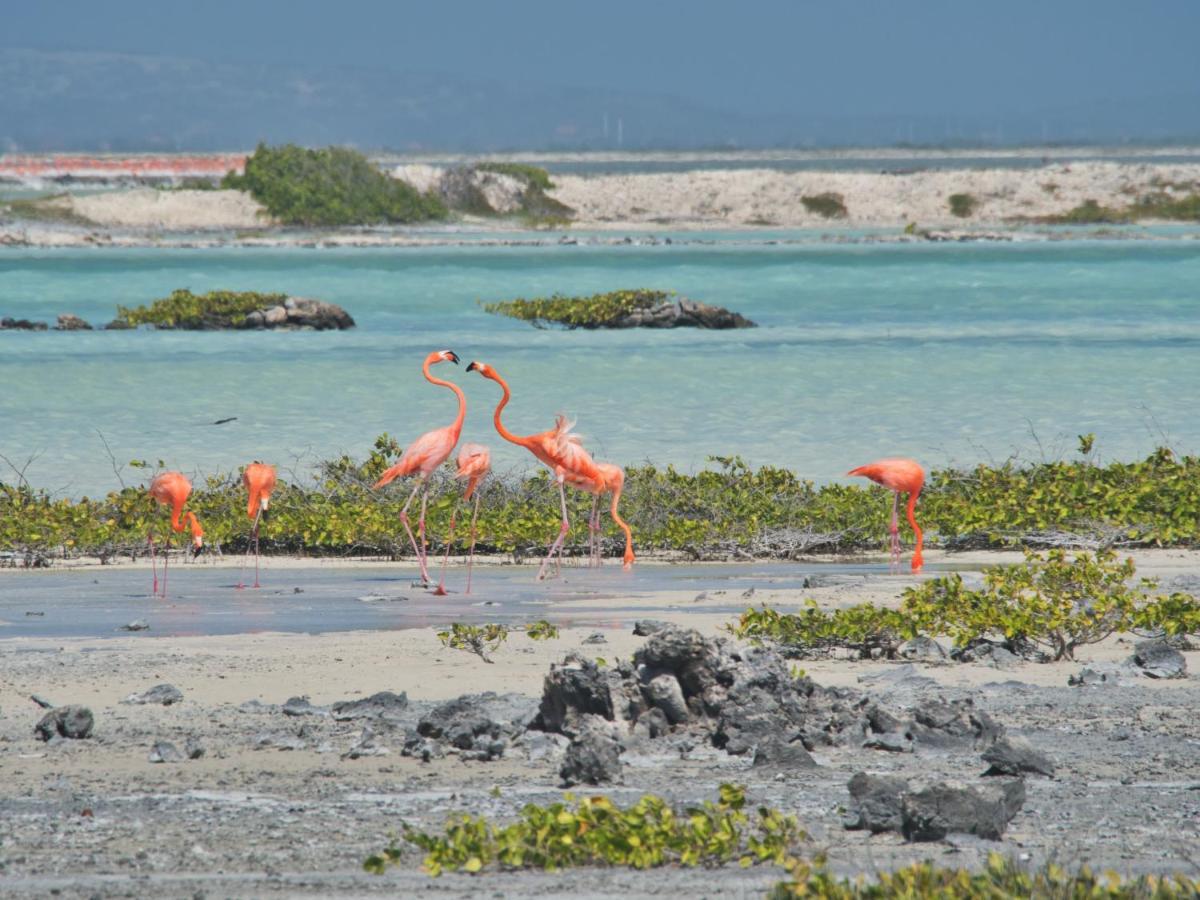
(759, 56)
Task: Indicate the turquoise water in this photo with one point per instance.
(949, 353)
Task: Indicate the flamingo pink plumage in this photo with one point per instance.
(259, 479)
(474, 463)
(426, 453)
(899, 475)
(172, 489)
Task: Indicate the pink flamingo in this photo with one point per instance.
(259, 479)
(425, 454)
(553, 448)
(474, 462)
(172, 488)
(899, 475)
(611, 480)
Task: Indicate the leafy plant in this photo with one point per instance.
(533, 176)
(478, 639)
(541, 630)
(183, 309)
(829, 205)
(813, 632)
(329, 187)
(597, 311)
(1001, 878)
(594, 830)
(963, 205)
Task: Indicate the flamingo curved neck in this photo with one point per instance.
(462, 399)
(179, 518)
(504, 432)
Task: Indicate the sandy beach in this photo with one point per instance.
(282, 803)
(699, 200)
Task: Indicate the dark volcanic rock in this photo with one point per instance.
(647, 627)
(10, 324)
(877, 802)
(1158, 659)
(573, 688)
(166, 694)
(922, 648)
(383, 705)
(479, 726)
(594, 756)
(683, 313)
(68, 322)
(944, 808)
(940, 723)
(1015, 756)
(164, 752)
(300, 706)
(73, 722)
(298, 312)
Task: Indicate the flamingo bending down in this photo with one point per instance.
(259, 479)
(425, 454)
(899, 475)
(173, 488)
(563, 456)
(474, 462)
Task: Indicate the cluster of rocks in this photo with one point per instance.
(682, 313)
(297, 312)
(1154, 658)
(65, 322)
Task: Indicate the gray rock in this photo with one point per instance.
(663, 691)
(136, 625)
(540, 745)
(383, 705)
(940, 809)
(940, 723)
(572, 689)
(595, 637)
(74, 722)
(780, 754)
(594, 756)
(1104, 674)
(876, 803)
(647, 627)
(193, 748)
(478, 725)
(905, 676)
(166, 694)
(892, 741)
(300, 706)
(8, 323)
(1158, 659)
(164, 752)
(68, 322)
(922, 648)
(1015, 756)
(366, 746)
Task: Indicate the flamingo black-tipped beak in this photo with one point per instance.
(472, 367)
(452, 356)
(197, 550)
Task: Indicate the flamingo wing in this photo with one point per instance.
(423, 455)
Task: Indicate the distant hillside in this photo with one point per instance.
(122, 102)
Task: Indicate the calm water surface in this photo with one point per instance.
(948, 353)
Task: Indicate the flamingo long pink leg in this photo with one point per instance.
(471, 553)
(556, 547)
(245, 556)
(441, 588)
(411, 537)
(894, 532)
(166, 559)
(153, 566)
(594, 534)
(256, 518)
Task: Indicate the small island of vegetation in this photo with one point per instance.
(639, 308)
(218, 310)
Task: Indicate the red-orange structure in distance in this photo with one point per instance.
(899, 476)
(172, 489)
(426, 453)
(259, 479)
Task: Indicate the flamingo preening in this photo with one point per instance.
(562, 452)
(425, 454)
(172, 488)
(899, 475)
(259, 479)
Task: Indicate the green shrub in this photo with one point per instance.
(541, 630)
(1089, 213)
(329, 187)
(595, 831)
(183, 309)
(1001, 878)
(533, 176)
(963, 205)
(478, 639)
(597, 311)
(829, 205)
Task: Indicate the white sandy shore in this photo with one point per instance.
(693, 200)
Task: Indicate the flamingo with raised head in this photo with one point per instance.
(425, 454)
(172, 489)
(899, 476)
(259, 479)
(563, 456)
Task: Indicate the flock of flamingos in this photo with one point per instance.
(559, 448)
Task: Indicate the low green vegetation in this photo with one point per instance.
(329, 187)
(597, 311)
(478, 639)
(963, 205)
(1001, 878)
(595, 831)
(725, 510)
(53, 210)
(183, 309)
(533, 176)
(541, 630)
(1161, 205)
(829, 205)
(1049, 605)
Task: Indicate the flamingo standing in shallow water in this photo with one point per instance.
(899, 475)
(611, 481)
(259, 479)
(425, 454)
(565, 457)
(172, 488)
